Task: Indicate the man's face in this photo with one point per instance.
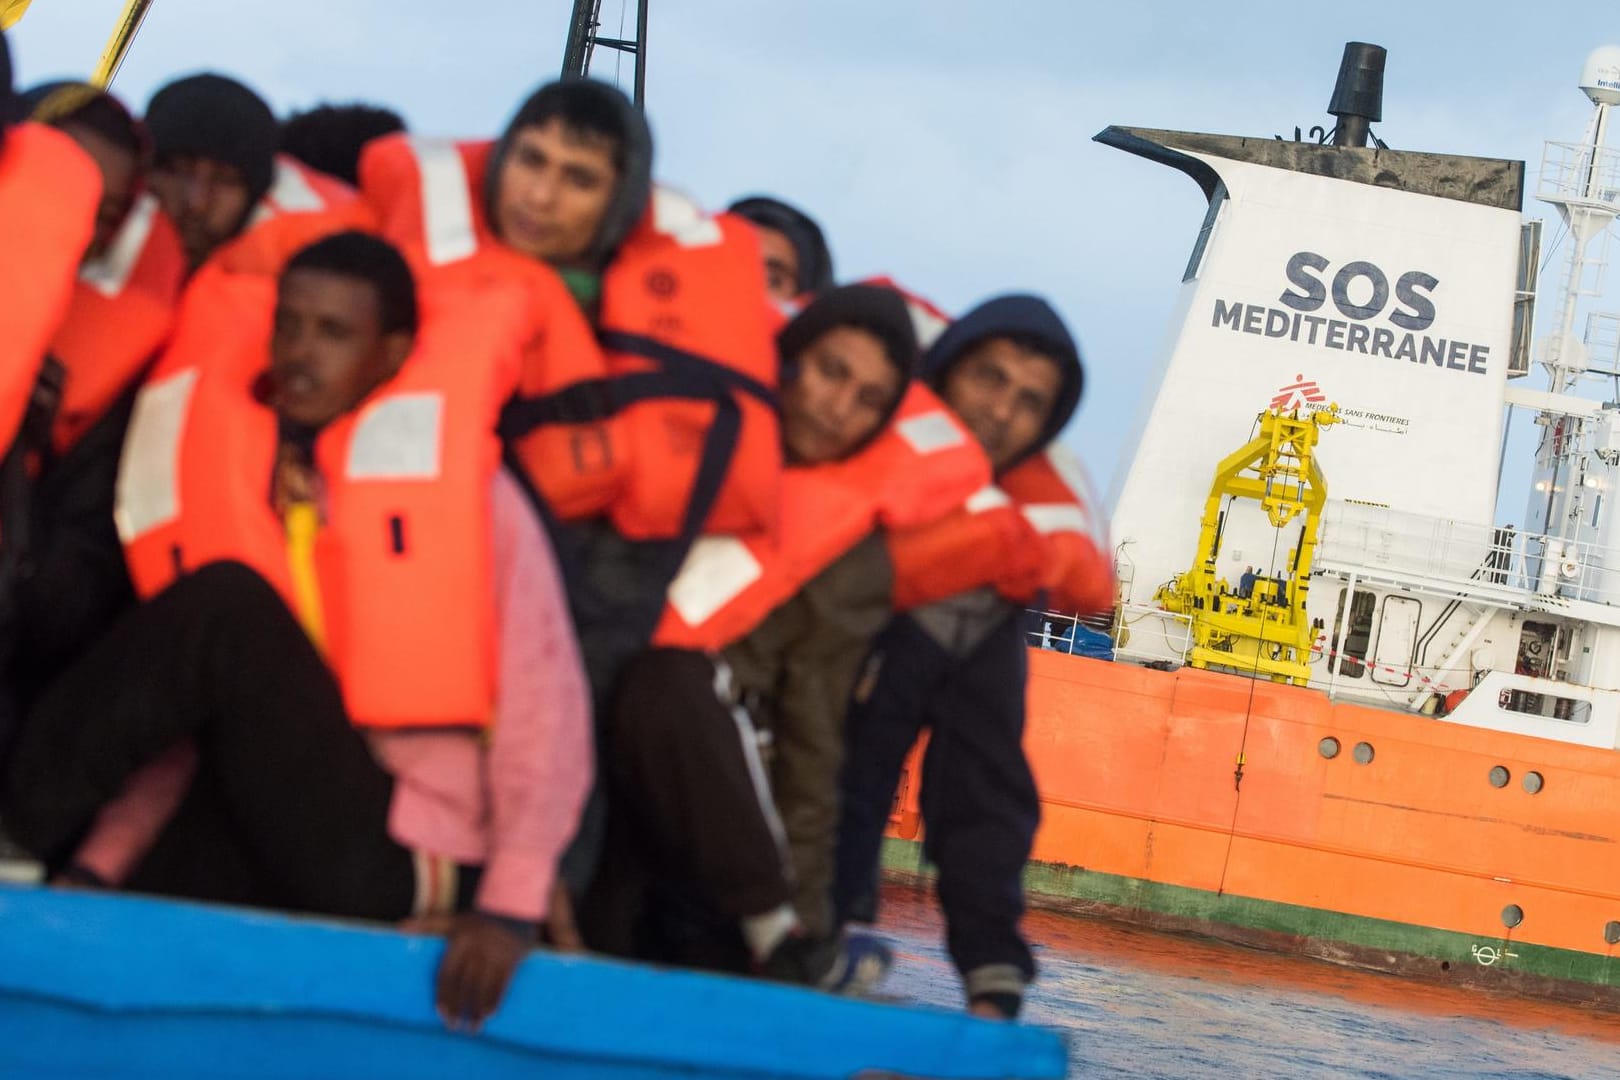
(328, 350)
(554, 188)
(1005, 395)
(120, 174)
(207, 200)
(781, 264)
(844, 389)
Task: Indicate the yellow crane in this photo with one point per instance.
(1263, 629)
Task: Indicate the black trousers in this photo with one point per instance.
(288, 808)
(979, 803)
(690, 819)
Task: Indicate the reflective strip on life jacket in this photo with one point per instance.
(449, 229)
(716, 571)
(148, 489)
(398, 438)
(109, 274)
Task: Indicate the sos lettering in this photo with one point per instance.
(1310, 287)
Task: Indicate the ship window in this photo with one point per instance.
(1568, 710)
(1357, 630)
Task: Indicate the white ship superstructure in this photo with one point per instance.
(1399, 288)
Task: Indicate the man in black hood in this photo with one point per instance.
(797, 262)
(214, 144)
(570, 178)
(1011, 372)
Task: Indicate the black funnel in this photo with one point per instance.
(1358, 96)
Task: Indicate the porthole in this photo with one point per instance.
(1328, 748)
(1499, 776)
(1512, 916)
(1363, 753)
(1533, 783)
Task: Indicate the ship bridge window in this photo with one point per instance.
(1551, 706)
(1357, 630)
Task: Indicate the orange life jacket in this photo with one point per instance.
(403, 559)
(678, 428)
(1037, 531)
(48, 194)
(122, 308)
(918, 468)
(301, 206)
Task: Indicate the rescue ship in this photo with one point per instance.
(1347, 714)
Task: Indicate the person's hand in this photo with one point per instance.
(562, 933)
(479, 959)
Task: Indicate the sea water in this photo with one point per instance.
(1144, 1004)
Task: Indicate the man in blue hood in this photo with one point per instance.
(1011, 372)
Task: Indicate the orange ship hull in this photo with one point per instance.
(1407, 850)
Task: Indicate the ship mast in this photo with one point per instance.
(584, 27)
(1582, 180)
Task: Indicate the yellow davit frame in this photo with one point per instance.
(1265, 632)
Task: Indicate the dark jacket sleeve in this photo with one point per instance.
(73, 584)
(798, 668)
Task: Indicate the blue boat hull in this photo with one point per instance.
(94, 985)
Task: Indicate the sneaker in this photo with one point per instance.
(852, 965)
(860, 967)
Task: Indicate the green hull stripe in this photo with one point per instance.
(1051, 882)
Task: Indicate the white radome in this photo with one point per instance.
(1600, 75)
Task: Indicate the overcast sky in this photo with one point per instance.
(945, 142)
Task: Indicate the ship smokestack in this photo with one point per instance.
(1358, 96)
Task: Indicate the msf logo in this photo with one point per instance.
(1297, 395)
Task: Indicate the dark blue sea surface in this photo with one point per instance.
(1143, 1004)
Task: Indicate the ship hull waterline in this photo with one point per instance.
(1413, 861)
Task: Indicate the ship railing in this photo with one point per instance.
(1603, 344)
(1137, 632)
(1494, 563)
(1579, 173)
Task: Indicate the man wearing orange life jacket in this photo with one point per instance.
(956, 665)
(217, 175)
(122, 306)
(49, 190)
(435, 760)
(783, 624)
(674, 432)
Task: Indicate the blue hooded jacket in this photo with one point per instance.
(1016, 315)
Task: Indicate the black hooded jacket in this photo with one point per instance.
(809, 243)
(591, 104)
(1026, 318)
